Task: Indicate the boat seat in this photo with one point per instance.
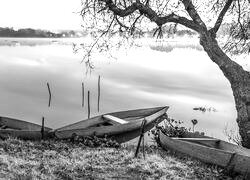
(114, 119)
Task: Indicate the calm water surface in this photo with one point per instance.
(141, 77)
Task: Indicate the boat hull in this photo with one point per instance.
(21, 129)
(24, 134)
(121, 133)
(223, 154)
(121, 114)
(20, 124)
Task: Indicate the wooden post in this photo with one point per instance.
(143, 146)
(99, 93)
(88, 105)
(42, 129)
(49, 94)
(141, 136)
(82, 94)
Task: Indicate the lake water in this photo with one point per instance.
(183, 78)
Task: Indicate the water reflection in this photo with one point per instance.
(183, 79)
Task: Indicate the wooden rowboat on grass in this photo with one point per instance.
(210, 150)
(10, 127)
(121, 126)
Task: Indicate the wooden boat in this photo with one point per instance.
(121, 126)
(210, 150)
(21, 129)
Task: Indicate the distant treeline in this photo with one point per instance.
(28, 32)
(168, 30)
(172, 30)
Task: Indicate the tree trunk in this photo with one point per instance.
(239, 80)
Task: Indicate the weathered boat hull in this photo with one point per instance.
(20, 124)
(122, 132)
(10, 127)
(220, 153)
(23, 134)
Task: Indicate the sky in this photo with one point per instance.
(41, 14)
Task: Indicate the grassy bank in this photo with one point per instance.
(65, 160)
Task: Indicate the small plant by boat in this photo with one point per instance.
(174, 128)
(171, 127)
(232, 135)
(94, 141)
(194, 122)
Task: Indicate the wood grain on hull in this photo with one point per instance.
(223, 154)
(20, 124)
(126, 115)
(23, 134)
(124, 131)
(21, 129)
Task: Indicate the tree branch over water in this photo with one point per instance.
(150, 14)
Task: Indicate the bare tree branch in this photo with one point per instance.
(221, 16)
(239, 17)
(152, 15)
(120, 23)
(193, 13)
(132, 29)
(88, 54)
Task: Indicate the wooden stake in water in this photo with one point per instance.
(82, 94)
(42, 129)
(99, 93)
(88, 105)
(49, 94)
